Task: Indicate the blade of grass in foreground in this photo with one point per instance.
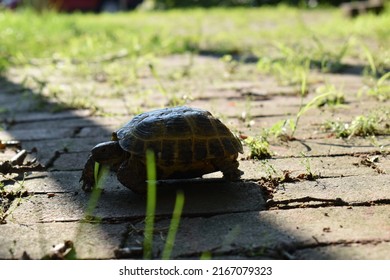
(150, 203)
(174, 226)
(371, 61)
(99, 173)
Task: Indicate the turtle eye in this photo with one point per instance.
(114, 136)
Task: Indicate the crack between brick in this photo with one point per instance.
(132, 219)
(289, 251)
(337, 202)
(354, 154)
(76, 131)
(256, 180)
(110, 220)
(317, 243)
(38, 120)
(45, 193)
(66, 170)
(50, 162)
(282, 251)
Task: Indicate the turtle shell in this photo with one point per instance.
(178, 135)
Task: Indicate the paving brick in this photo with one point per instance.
(37, 134)
(304, 220)
(117, 202)
(29, 117)
(272, 234)
(333, 166)
(53, 182)
(329, 147)
(45, 150)
(356, 251)
(354, 189)
(91, 241)
(70, 161)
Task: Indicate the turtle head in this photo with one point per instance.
(108, 153)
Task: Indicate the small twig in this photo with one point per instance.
(19, 158)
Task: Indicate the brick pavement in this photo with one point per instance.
(342, 214)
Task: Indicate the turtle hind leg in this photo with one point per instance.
(132, 174)
(229, 168)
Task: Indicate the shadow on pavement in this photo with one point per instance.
(61, 141)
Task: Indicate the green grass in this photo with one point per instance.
(258, 147)
(330, 96)
(242, 30)
(151, 198)
(100, 173)
(288, 70)
(174, 226)
(378, 88)
(116, 52)
(372, 124)
(10, 199)
(309, 175)
(285, 129)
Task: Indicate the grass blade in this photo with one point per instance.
(311, 104)
(173, 226)
(370, 59)
(382, 79)
(100, 173)
(150, 203)
(96, 170)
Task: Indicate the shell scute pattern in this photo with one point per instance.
(177, 127)
(200, 147)
(178, 136)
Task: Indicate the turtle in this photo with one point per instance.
(187, 143)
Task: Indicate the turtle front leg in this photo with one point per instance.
(87, 177)
(132, 174)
